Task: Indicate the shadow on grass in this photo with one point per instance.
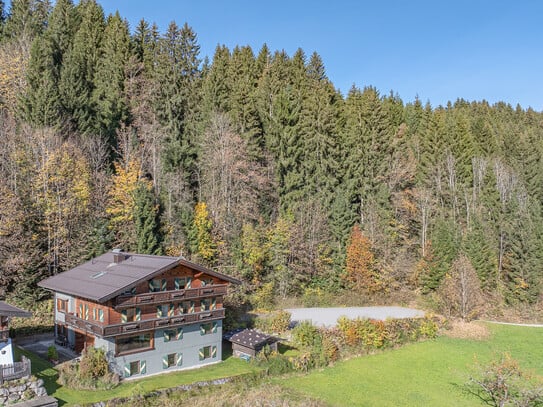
(42, 369)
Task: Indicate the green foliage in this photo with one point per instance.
(263, 298)
(276, 322)
(91, 372)
(52, 353)
(147, 220)
(306, 335)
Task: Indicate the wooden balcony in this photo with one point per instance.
(92, 327)
(161, 297)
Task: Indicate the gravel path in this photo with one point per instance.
(328, 316)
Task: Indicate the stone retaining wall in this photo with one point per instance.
(21, 390)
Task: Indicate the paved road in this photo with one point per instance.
(328, 316)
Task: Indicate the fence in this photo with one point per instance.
(16, 370)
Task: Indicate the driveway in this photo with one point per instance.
(328, 317)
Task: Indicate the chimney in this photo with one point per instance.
(118, 256)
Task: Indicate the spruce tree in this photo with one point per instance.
(108, 97)
(80, 65)
(27, 20)
(147, 220)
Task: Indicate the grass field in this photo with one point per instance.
(43, 369)
(431, 373)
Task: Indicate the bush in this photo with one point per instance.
(52, 353)
(92, 372)
(263, 298)
(503, 383)
(276, 322)
(305, 334)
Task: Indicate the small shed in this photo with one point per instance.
(249, 342)
(8, 311)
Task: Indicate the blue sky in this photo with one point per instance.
(438, 50)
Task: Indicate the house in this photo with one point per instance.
(8, 311)
(151, 314)
(248, 343)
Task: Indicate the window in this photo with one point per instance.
(206, 281)
(62, 305)
(157, 285)
(207, 352)
(131, 291)
(86, 311)
(130, 315)
(186, 307)
(98, 314)
(134, 368)
(173, 359)
(208, 304)
(165, 310)
(135, 342)
(210, 328)
(182, 283)
(173, 334)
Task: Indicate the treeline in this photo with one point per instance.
(253, 164)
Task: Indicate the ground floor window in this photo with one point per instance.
(134, 368)
(173, 334)
(207, 352)
(131, 343)
(172, 359)
(209, 328)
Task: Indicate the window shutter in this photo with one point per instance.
(143, 367)
(201, 354)
(80, 310)
(203, 305)
(151, 286)
(127, 370)
(167, 336)
(180, 308)
(159, 311)
(202, 330)
(165, 362)
(179, 334)
(124, 317)
(189, 282)
(86, 311)
(213, 351)
(138, 314)
(164, 286)
(178, 359)
(213, 303)
(94, 314)
(214, 329)
(177, 283)
(191, 309)
(171, 310)
(101, 315)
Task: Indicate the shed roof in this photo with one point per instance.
(252, 338)
(7, 310)
(103, 278)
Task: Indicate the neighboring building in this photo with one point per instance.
(151, 314)
(249, 342)
(6, 313)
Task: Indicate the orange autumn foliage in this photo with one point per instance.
(361, 268)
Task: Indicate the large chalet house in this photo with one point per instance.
(151, 314)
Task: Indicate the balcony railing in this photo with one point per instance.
(145, 325)
(161, 297)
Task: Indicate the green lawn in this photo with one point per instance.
(430, 373)
(43, 369)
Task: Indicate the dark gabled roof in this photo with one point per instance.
(7, 310)
(102, 278)
(252, 339)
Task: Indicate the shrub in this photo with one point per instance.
(274, 323)
(92, 372)
(52, 353)
(263, 298)
(503, 383)
(93, 363)
(305, 334)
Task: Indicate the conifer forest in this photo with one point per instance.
(252, 163)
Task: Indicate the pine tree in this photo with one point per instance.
(27, 20)
(445, 246)
(79, 67)
(146, 219)
(108, 98)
